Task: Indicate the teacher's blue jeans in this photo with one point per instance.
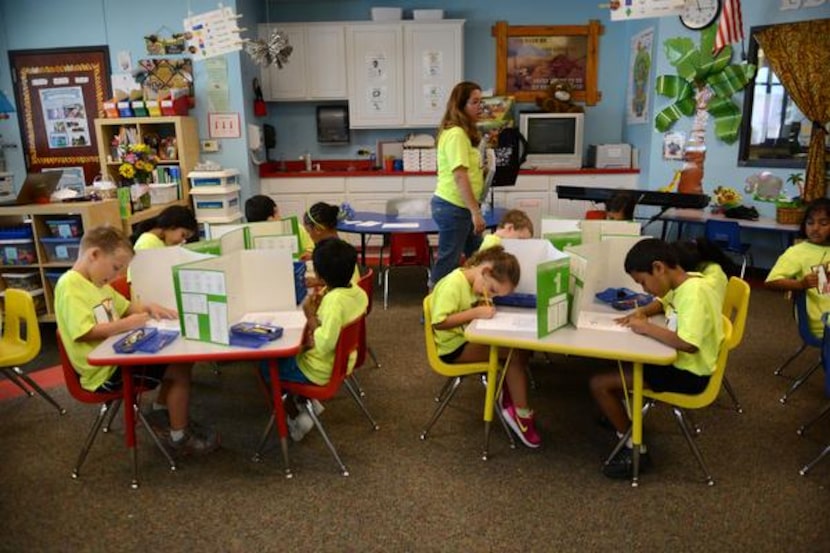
(456, 235)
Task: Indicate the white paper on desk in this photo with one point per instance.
(165, 324)
(401, 225)
(597, 320)
(509, 321)
(368, 224)
(285, 319)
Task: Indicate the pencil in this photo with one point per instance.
(486, 297)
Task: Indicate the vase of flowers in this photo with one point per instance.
(138, 162)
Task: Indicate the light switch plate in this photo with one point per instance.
(210, 145)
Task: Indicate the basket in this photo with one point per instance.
(789, 215)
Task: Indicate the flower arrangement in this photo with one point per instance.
(727, 197)
(138, 161)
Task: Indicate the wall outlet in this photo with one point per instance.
(210, 145)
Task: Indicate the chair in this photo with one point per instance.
(18, 347)
(727, 235)
(368, 284)
(808, 339)
(735, 308)
(109, 403)
(121, 285)
(680, 402)
(406, 250)
(455, 373)
(347, 343)
(801, 431)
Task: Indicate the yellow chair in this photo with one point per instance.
(455, 373)
(735, 308)
(18, 347)
(679, 402)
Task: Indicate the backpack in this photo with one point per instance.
(511, 152)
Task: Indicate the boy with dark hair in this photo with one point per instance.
(260, 208)
(620, 206)
(694, 328)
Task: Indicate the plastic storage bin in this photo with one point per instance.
(17, 251)
(61, 250)
(227, 177)
(29, 280)
(16, 232)
(218, 202)
(65, 228)
(163, 193)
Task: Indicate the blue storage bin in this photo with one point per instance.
(300, 290)
(16, 232)
(61, 250)
(65, 228)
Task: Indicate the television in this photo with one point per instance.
(554, 140)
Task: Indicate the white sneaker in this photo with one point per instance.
(299, 426)
(317, 407)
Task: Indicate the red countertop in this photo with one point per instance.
(363, 168)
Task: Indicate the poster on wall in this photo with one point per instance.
(534, 62)
(212, 33)
(640, 9)
(638, 77)
(65, 121)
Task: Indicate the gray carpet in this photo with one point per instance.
(405, 494)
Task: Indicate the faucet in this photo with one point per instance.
(307, 158)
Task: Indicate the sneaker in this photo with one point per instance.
(193, 443)
(299, 426)
(317, 407)
(504, 398)
(622, 465)
(524, 428)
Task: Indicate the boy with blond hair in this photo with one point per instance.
(514, 224)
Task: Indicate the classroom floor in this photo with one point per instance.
(405, 494)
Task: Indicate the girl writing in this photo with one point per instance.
(173, 226)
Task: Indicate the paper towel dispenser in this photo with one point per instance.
(332, 124)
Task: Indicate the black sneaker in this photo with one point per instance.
(193, 443)
(622, 465)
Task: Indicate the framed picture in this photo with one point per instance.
(529, 58)
(72, 178)
(59, 94)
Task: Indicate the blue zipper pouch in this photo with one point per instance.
(158, 341)
(623, 299)
(134, 338)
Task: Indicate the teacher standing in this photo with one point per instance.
(455, 205)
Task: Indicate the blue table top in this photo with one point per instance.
(368, 222)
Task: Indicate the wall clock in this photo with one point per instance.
(699, 14)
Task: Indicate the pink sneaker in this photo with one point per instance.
(524, 428)
(504, 399)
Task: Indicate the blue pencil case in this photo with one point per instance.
(134, 339)
(623, 299)
(516, 300)
(157, 341)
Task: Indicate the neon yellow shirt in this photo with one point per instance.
(79, 306)
(455, 150)
(306, 243)
(489, 241)
(148, 241)
(796, 262)
(452, 294)
(695, 314)
(339, 307)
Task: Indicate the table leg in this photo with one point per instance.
(489, 397)
(129, 419)
(637, 421)
(363, 248)
(279, 413)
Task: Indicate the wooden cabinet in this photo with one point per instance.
(55, 237)
(401, 74)
(178, 136)
(316, 69)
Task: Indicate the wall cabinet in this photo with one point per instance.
(51, 250)
(401, 74)
(316, 69)
(180, 134)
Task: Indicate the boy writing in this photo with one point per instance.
(89, 310)
(514, 224)
(694, 328)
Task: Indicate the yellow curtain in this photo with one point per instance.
(799, 53)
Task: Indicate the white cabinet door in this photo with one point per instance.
(434, 60)
(375, 75)
(288, 82)
(326, 61)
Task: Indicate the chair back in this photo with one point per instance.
(121, 285)
(409, 249)
(736, 308)
(367, 283)
(595, 214)
(803, 320)
(710, 393)
(73, 379)
(726, 234)
(347, 344)
(17, 347)
(435, 362)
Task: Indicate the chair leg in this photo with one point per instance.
(780, 370)
(356, 383)
(360, 404)
(799, 381)
(145, 423)
(732, 395)
(504, 425)
(806, 468)
(310, 410)
(823, 413)
(90, 438)
(116, 405)
(40, 391)
(16, 381)
(678, 415)
(261, 446)
(444, 389)
(386, 288)
(447, 396)
(373, 356)
(620, 444)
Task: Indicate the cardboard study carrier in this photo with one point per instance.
(545, 274)
(593, 268)
(572, 232)
(267, 235)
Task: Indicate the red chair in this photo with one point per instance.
(367, 282)
(595, 214)
(121, 285)
(406, 250)
(347, 344)
(109, 403)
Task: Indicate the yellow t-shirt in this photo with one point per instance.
(79, 306)
(796, 262)
(489, 241)
(452, 294)
(339, 307)
(695, 314)
(306, 243)
(713, 275)
(148, 241)
(455, 150)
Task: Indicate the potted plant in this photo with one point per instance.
(790, 210)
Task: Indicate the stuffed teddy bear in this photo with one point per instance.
(558, 99)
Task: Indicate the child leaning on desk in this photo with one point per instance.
(464, 295)
(514, 224)
(694, 328)
(88, 311)
(798, 266)
(326, 314)
(175, 225)
(261, 208)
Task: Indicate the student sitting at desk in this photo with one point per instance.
(464, 295)
(263, 208)
(326, 314)
(514, 224)
(175, 225)
(320, 221)
(620, 206)
(694, 327)
(88, 311)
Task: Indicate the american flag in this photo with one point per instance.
(730, 26)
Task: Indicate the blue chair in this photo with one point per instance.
(727, 236)
(807, 339)
(825, 357)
